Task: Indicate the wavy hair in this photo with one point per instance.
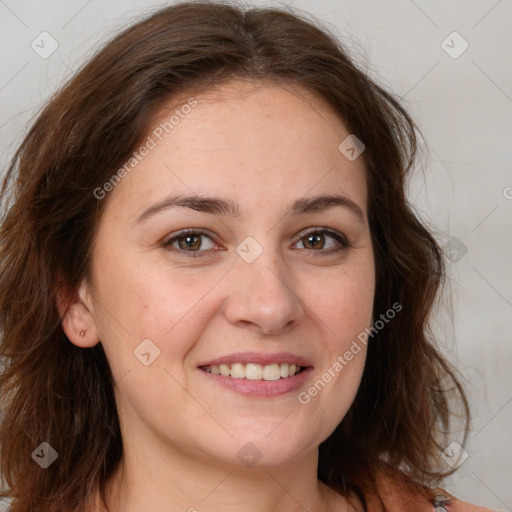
(54, 391)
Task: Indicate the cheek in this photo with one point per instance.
(138, 300)
(343, 301)
(343, 304)
(344, 312)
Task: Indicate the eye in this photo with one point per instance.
(318, 241)
(190, 241)
(323, 240)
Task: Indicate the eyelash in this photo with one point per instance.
(339, 237)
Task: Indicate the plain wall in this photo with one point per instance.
(463, 104)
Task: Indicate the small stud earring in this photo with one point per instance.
(82, 333)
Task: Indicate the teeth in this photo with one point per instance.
(253, 371)
(237, 371)
(271, 372)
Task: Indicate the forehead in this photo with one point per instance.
(240, 109)
(255, 140)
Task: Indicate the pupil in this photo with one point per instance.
(191, 242)
(314, 239)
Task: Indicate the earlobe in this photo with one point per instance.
(77, 316)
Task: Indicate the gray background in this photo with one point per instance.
(463, 104)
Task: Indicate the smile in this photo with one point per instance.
(269, 384)
(254, 371)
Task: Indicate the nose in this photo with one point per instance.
(262, 297)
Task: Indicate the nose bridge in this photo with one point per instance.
(262, 293)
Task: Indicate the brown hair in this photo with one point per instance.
(54, 391)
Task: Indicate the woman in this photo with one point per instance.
(213, 292)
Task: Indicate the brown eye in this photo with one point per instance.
(323, 241)
(314, 241)
(190, 242)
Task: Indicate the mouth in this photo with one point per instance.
(255, 371)
(253, 374)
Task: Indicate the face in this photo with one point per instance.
(240, 237)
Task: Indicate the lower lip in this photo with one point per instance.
(260, 388)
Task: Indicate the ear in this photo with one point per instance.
(77, 314)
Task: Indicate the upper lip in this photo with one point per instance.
(259, 358)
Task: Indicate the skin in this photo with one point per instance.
(262, 146)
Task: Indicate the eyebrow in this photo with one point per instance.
(226, 207)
